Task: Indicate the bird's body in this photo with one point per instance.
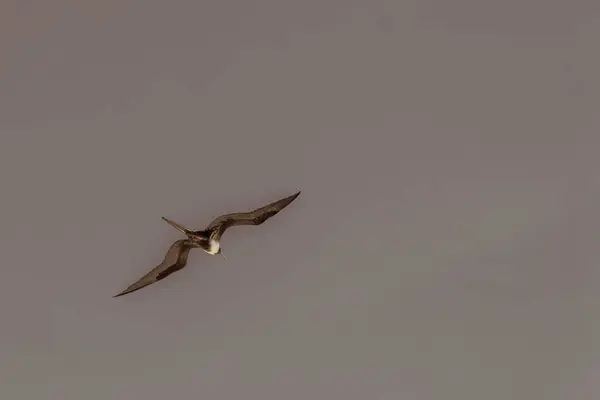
(204, 240)
(208, 240)
(214, 246)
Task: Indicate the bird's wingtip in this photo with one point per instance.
(290, 198)
(293, 197)
(124, 292)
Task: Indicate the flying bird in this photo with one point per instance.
(208, 239)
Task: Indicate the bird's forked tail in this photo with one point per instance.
(180, 228)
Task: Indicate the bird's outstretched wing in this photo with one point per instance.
(219, 225)
(175, 259)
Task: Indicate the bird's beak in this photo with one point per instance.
(180, 228)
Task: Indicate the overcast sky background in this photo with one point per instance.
(444, 245)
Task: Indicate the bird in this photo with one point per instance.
(208, 239)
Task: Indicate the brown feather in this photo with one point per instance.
(219, 225)
(175, 259)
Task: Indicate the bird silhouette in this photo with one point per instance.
(208, 239)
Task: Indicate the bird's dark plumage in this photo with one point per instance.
(207, 239)
(175, 259)
(219, 225)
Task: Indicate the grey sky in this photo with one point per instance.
(444, 245)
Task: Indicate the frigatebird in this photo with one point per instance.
(208, 239)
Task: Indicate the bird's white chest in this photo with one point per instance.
(213, 247)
